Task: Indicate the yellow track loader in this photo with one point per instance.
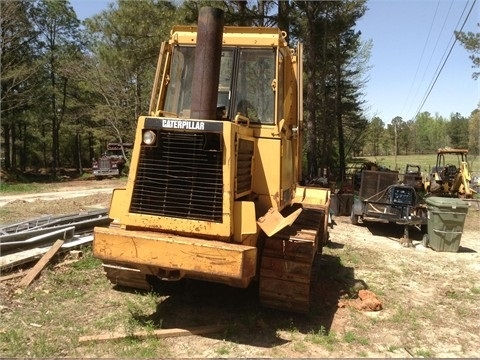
(213, 188)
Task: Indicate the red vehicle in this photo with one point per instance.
(113, 160)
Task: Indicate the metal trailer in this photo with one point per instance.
(381, 198)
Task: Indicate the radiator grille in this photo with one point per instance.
(181, 177)
(243, 180)
(104, 164)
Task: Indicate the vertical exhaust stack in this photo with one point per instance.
(206, 69)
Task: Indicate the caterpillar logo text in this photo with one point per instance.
(183, 124)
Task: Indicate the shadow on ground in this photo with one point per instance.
(192, 303)
(394, 231)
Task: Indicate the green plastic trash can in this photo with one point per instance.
(446, 217)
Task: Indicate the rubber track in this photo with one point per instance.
(287, 257)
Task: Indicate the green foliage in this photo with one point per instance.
(425, 161)
(333, 79)
(69, 88)
(121, 74)
(458, 131)
(425, 135)
(471, 42)
(474, 132)
(374, 136)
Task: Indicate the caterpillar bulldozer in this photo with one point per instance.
(213, 191)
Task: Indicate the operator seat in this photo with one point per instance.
(449, 172)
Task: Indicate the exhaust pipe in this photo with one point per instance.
(206, 70)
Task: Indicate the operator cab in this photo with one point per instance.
(449, 163)
(246, 84)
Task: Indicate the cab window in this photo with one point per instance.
(254, 95)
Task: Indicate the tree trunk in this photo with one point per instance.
(6, 148)
(78, 147)
(90, 146)
(54, 162)
(138, 98)
(261, 12)
(44, 147)
(14, 147)
(339, 114)
(310, 98)
(242, 11)
(325, 124)
(283, 19)
(23, 152)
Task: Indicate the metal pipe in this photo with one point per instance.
(206, 70)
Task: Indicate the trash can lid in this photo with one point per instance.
(446, 202)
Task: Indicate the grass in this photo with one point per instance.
(423, 353)
(350, 337)
(17, 182)
(394, 282)
(51, 314)
(393, 348)
(300, 346)
(141, 348)
(72, 300)
(87, 262)
(362, 354)
(475, 290)
(66, 302)
(326, 339)
(222, 350)
(6, 188)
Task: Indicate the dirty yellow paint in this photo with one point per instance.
(169, 251)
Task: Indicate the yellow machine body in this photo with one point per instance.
(451, 175)
(198, 196)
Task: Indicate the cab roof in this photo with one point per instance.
(233, 35)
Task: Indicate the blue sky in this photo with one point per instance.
(88, 8)
(411, 39)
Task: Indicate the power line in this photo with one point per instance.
(439, 69)
(421, 57)
(435, 46)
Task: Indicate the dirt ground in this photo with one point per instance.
(58, 198)
(430, 300)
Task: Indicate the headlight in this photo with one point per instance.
(149, 137)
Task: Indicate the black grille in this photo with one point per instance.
(243, 181)
(181, 177)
